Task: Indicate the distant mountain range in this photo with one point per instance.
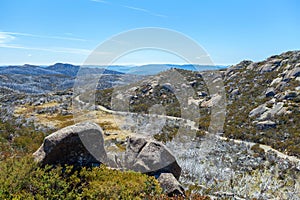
(72, 70)
(152, 69)
(33, 79)
(56, 69)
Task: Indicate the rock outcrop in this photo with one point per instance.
(266, 108)
(79, 145)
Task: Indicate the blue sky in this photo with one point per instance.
(49, 31)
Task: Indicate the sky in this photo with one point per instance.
(43, 32)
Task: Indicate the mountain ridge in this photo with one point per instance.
(146, 69)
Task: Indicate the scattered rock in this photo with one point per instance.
(108, 133)
(258, 111)
(193, 83)
(275, 110)
(266, 125)
(241, 65)
(202, 94)
(252, 66)
(170, 185)
(292, 73)
(281, 86)
(235, 92)
(276, 81)
(269, 67)
(289, 95)
(65, 112)
(150, 157)
(168, 87)
(270, 92)
(212, 102)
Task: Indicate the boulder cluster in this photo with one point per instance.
(82, 145)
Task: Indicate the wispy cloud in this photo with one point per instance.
(53, 49)
(12, 34)
(145, 11)
(78, 51)
(100, 1)
(6, 41)
(133, 8)
(5, 38)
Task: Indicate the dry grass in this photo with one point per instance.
(108, 122)
(56, 120)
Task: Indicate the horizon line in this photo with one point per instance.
(121, 64)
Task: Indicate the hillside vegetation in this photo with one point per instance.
(263, 100)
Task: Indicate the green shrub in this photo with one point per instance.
(17, 139)
(22, 178)
(256, 148)
(103, 183)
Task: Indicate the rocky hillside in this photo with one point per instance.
(262, 100)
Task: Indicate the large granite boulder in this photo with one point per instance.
(150, 157)
(170, 185)
(81, 144)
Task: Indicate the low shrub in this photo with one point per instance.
(22, 178)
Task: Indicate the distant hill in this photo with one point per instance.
(66, 69)
(33, 79)
(152, 69)
(56, 69)
(72, 70)
(27, 70)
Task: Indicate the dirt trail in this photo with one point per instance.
(265, 148)
(192, 125)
